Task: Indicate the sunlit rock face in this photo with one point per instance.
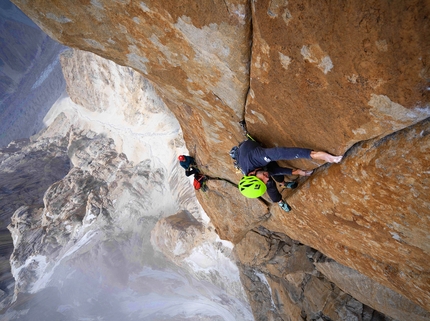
(322, 76)
(238, 217)
(197, 54)
(85, 251)
(327, 75)
(377, 203)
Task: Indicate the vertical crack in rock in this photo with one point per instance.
(366, 84)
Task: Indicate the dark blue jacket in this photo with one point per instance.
(252, 156)
(187, 162)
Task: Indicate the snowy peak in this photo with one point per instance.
(92, 231)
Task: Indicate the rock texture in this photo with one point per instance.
(377, 203)
(371, 293)
(197, 53)
(26, 172)
(70, 206)
(319, 75)
(193, 246)
(287, 280)
(238, 217)
(326, 75)
(85, 249)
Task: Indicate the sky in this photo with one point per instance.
(29, 69)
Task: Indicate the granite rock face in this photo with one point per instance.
(371, 293)
(320, 75)
(327, 75)
(371, 212)
(237, 217)
(197, 53)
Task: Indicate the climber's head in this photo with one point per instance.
(252, 187)
(181, 158)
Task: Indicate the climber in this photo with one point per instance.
(261, 170)
(189, 164)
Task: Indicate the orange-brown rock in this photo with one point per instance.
(326, 75)
(237, 217)
(284, 282)
(371, 212)
(196, 52)
(372, 293)
(322, 75)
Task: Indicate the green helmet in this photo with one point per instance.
(252, 187)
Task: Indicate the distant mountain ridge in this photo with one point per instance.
(92, 230)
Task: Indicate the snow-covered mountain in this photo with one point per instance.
(86, 252)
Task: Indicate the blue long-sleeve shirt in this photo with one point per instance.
(187, 162)
(252, 156)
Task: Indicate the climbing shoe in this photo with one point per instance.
(284, 206)
(291, 185)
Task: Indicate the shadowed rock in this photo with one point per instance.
(26, 172)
